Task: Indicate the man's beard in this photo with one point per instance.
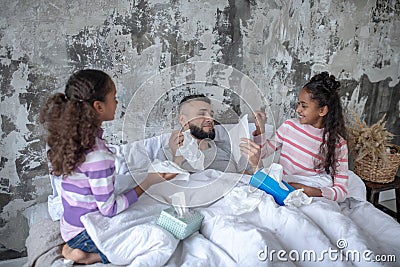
(198, 132)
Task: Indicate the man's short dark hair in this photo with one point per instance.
(196, 97)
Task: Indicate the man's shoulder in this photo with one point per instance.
(223, 145)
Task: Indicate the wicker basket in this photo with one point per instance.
(376, 171)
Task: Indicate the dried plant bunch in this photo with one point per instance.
(368, 141)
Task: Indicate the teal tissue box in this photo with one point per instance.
(180, 227)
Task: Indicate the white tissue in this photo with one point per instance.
(275, 171)
(191, 152)
(242, 200)
(297, 198)
(179, 203)
(238, 131)
(169, 167)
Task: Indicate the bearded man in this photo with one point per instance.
(196, 115)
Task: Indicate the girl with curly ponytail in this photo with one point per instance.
(77, 153)
(71, 120)
(314, 152)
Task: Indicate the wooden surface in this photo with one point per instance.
(373, 190)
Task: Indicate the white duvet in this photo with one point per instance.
(250, 232)
(353, 233)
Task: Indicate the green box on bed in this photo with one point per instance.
(180, 227)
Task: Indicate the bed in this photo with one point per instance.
(255, 231)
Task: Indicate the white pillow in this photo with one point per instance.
(54, 204)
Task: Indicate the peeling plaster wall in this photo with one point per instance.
(278, 44)
(288, 41)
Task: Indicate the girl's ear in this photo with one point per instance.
(98, 106)
(323, 111)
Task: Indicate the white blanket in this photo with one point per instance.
(233, 234)
(323, 232)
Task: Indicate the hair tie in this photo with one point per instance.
(78, 99)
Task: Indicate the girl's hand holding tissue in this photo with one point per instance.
(252, 152)
(152, 179)
(157, 177)
(308, 190)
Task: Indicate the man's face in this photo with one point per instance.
(198, 117)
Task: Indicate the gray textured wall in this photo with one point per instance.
(278, 44)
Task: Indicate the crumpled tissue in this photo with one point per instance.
(297, 198)
(169, 167)
(242, 200)
(238, 131)
(191, 152)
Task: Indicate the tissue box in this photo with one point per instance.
(180, 227)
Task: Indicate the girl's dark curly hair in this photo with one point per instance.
(325, 90)
(71, 121)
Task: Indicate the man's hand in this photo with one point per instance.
(252, 151)
(259, 120)
(175, 141)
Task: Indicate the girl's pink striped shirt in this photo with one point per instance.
(299, 144)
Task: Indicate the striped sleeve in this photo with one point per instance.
(99, 167)
(268, 146)
(338, 192)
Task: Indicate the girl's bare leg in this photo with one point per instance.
(79, 256)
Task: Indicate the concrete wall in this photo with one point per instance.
(278, 44)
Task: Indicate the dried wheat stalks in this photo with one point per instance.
(365, 141)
